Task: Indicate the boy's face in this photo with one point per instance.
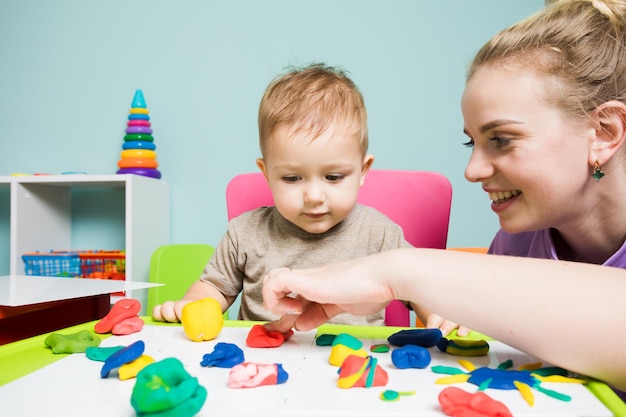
(314, 183)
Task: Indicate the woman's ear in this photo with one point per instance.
(610, 135)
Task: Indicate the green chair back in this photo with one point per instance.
(177, 266)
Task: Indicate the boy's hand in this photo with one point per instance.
(170, 311)
(446, 326)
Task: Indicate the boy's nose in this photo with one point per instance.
(314, 192)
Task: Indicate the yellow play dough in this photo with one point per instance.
(202, 319)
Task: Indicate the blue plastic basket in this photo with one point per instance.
(54, 264)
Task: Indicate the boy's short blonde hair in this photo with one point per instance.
(310, 100)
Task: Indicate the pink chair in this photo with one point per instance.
(418, 201)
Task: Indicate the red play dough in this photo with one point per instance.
(260, 337)
(128, 326)
(123, 309)
(456, 402)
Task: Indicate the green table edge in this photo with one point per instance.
(23, 357)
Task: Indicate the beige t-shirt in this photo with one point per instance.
(261, 240)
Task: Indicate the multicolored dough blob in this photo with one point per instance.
(418, 337)
(250, 375)
(164, 388)
(356, 371)
(138, 155)
(345, 345)
(463, 347)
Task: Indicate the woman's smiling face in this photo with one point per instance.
(528, 154)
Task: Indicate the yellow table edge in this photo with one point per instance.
(23, 357)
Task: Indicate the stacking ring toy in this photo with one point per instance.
(138, 136)
(147, 172)
(138, 123)
(139, 129)
(139, 144)
(138, 110)
(138, 117)
(137, 163)
(138, 153)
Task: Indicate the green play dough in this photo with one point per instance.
(101, 354)
(325, 339)
(165, 389)
(71, 343)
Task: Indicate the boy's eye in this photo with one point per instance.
(291, 178)
(334, 177)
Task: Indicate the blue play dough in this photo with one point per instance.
(121, 357)
(417, 337)
(410, 356)
(502, 379)
(282, 374)
(224, 355)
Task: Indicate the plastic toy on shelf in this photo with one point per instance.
(138, 154)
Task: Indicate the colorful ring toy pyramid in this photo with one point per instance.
(139, 151)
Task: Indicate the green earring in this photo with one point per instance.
(597, 172)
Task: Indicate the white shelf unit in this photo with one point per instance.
(41, 217)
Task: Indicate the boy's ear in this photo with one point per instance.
(261, 164)
(368, 160)
(610, 134)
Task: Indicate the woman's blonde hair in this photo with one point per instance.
(580, 43)
(311, 100)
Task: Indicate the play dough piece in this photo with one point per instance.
(202, 319)
(356, 371)
(345, 345)
(380, 348)
(325, 339)
(418, 337)
(100, 354)
(260, 337)
(121, 310)
(410, 356)
(131, 369)
(348, 341)
(71, 343)
(457, 402)
(462, 347)
(224, 355)
(164, 388)
(128, 326)
(124, 356)
(249, 375)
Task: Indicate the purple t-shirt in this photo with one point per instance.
(539, 245)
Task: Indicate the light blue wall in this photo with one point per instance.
(69, 70)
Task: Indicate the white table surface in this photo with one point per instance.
(19, 290)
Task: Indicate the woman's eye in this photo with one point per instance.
(334, 177)
(469, 143)
(500, 142)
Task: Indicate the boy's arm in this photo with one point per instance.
(171, 311)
